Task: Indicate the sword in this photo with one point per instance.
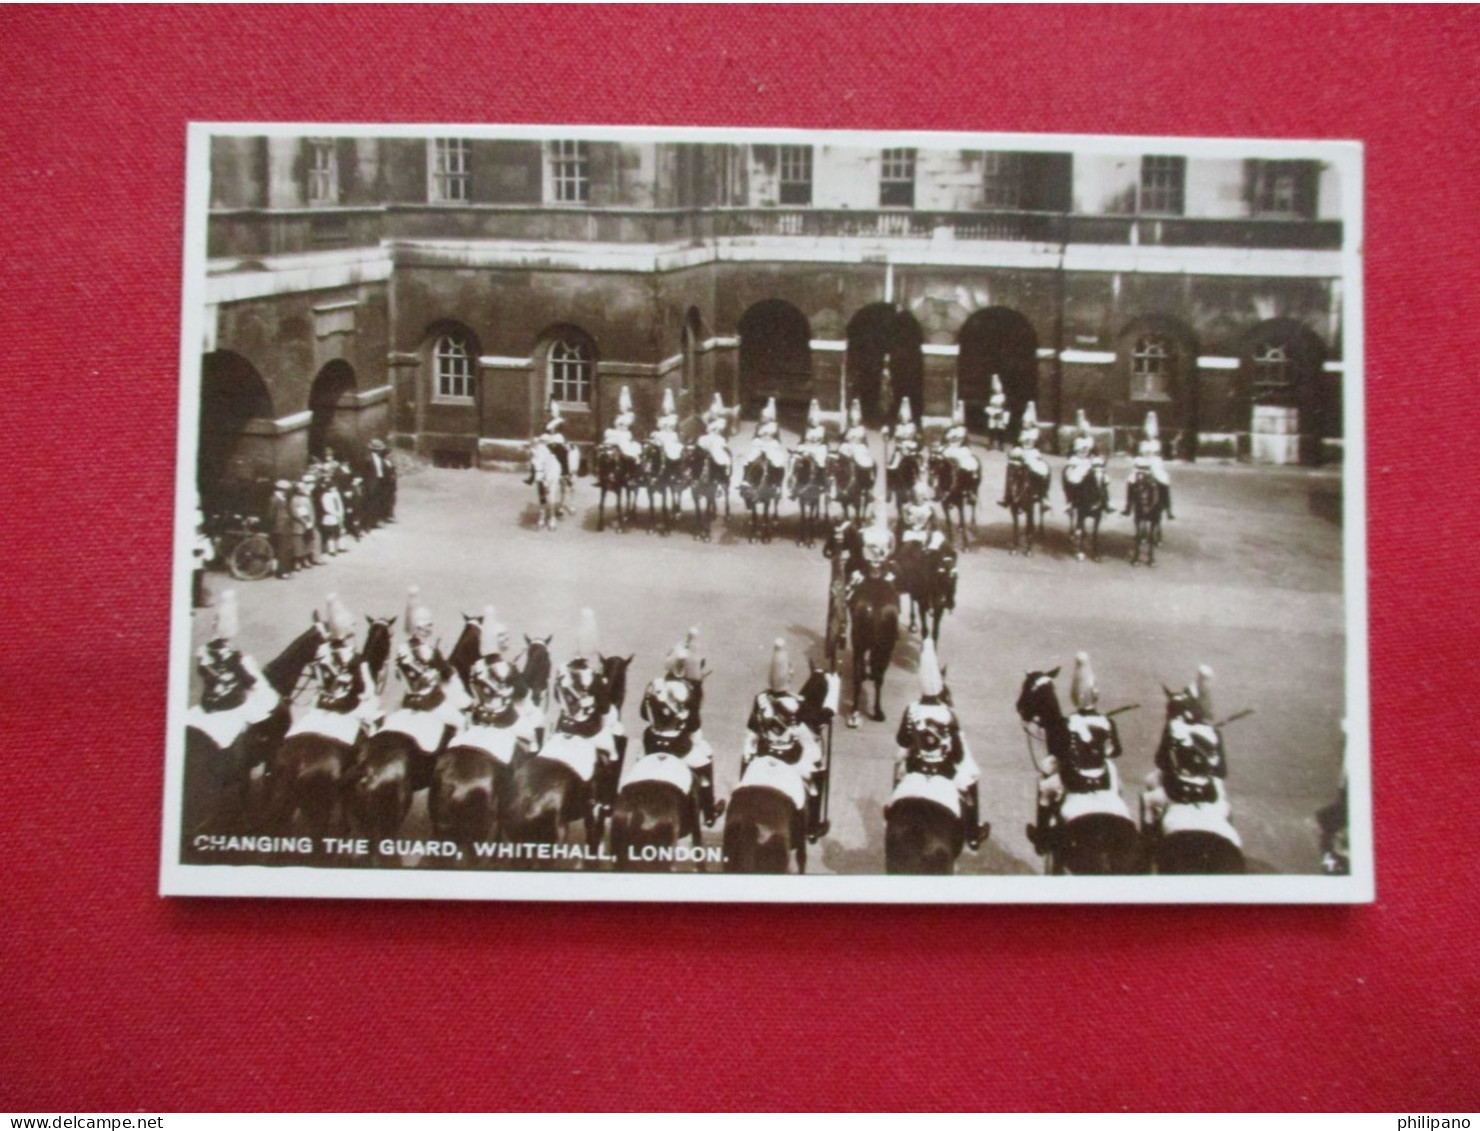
(1244, 714)
(1123, 710)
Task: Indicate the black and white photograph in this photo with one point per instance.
(705, 515)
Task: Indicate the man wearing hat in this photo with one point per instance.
(1190, 763)
(1088, 769)
(619, 434)
(553, 438)
(234, 694)
(588, 733)
(1149, 461)
(305, 524)
(346, 700)
(957, 442)
(906, 435)
(665, 429)
(778, 734)
(671, 707)
(1026, 458)
(380, 485)
(767, 443)
(814, 440)
(931, 746)
(997, 412)
(716, 426)
(280, 527)
(431, 710)
(919, 520)
(855, 440)
(1084, 458)
(501, 719)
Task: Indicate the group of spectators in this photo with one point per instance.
(311, 520)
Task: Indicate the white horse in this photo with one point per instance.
(550, 483)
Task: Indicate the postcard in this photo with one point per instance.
(731, 515)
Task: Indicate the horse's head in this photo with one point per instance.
(614, 671)
(842, 539)
(537, 665)
(1038, 700)
(377, 647)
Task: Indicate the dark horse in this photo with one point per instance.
(218, 782)
(1097, 843)
(761, 490)
(764, 828)
(928, 578)
(1025, 499)
(392, 767)
(662, 478)
(1089, 499)
(545, 796)
(900, 480)
(921, 838)
(852, 485)
(616, 473)
(1189, 776)
(873, 614)
(310, 771)
(1148, 504)
(809, 489)
(468, 781)
(707, 480)
(955, 486)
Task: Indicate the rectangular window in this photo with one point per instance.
(897, 179)
(454, 366)
(323, 172)
(570, 176)
(1002, 181)
(570, 372)
(1284, 188)
(451, 169)
(1151, 369)
(796, 174)
(1162, 181)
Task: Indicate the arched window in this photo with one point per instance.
(570, 371)
(1274, 374)
(1151, 368)
(452, 363)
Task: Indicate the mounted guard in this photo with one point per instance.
(906, 436)
(855, 440)
(716, 428)
(1190, 763)
(1025, 458)
(996, 414)
(1149, 462)
(554, 438)
(588, 735)
(1085, 780)
(431, 709)
(767, 442)
(346, 703)
(665, 431)
(933, 761)
(619, 435)
(236, 695)
(781, 751)
(502, 721)
(1084, 456)
(674, 747)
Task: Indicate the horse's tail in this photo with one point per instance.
(1101, 844)
(921, 838)
(648, 814)
(755, 840)
(382, 790)
(1197, 852)
(461, 802)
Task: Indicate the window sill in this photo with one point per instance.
(455, 402)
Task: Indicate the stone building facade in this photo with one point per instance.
(444, 291)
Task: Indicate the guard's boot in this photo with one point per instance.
(711, 809)
(970, 812)
(817, 828)
(1127, 511)
(604, 785)
(1166, 502)
(1038, 831)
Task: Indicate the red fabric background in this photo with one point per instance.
(115, 999)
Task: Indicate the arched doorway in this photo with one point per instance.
(775, 358)
(1282, 366)
(878, 334)
(1001, 342)
(331, 404)
(235, 461)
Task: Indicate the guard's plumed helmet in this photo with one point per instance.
(1081, 422)
(932, 684)
(906, 415)
(1030, 416)
(624, 399)
(996, 385)
(693, 667)
(1085, 692)
(717, 406)
(418, 616)
(588, 642)
(958, 414)
(668, 408)
(855, 413)
(497, 682)
(1151, 429)
(228, 621)
(780, 674)
(1201, 689)
(768, 414)
(577, 688)
(814, 414)
(340, 624)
